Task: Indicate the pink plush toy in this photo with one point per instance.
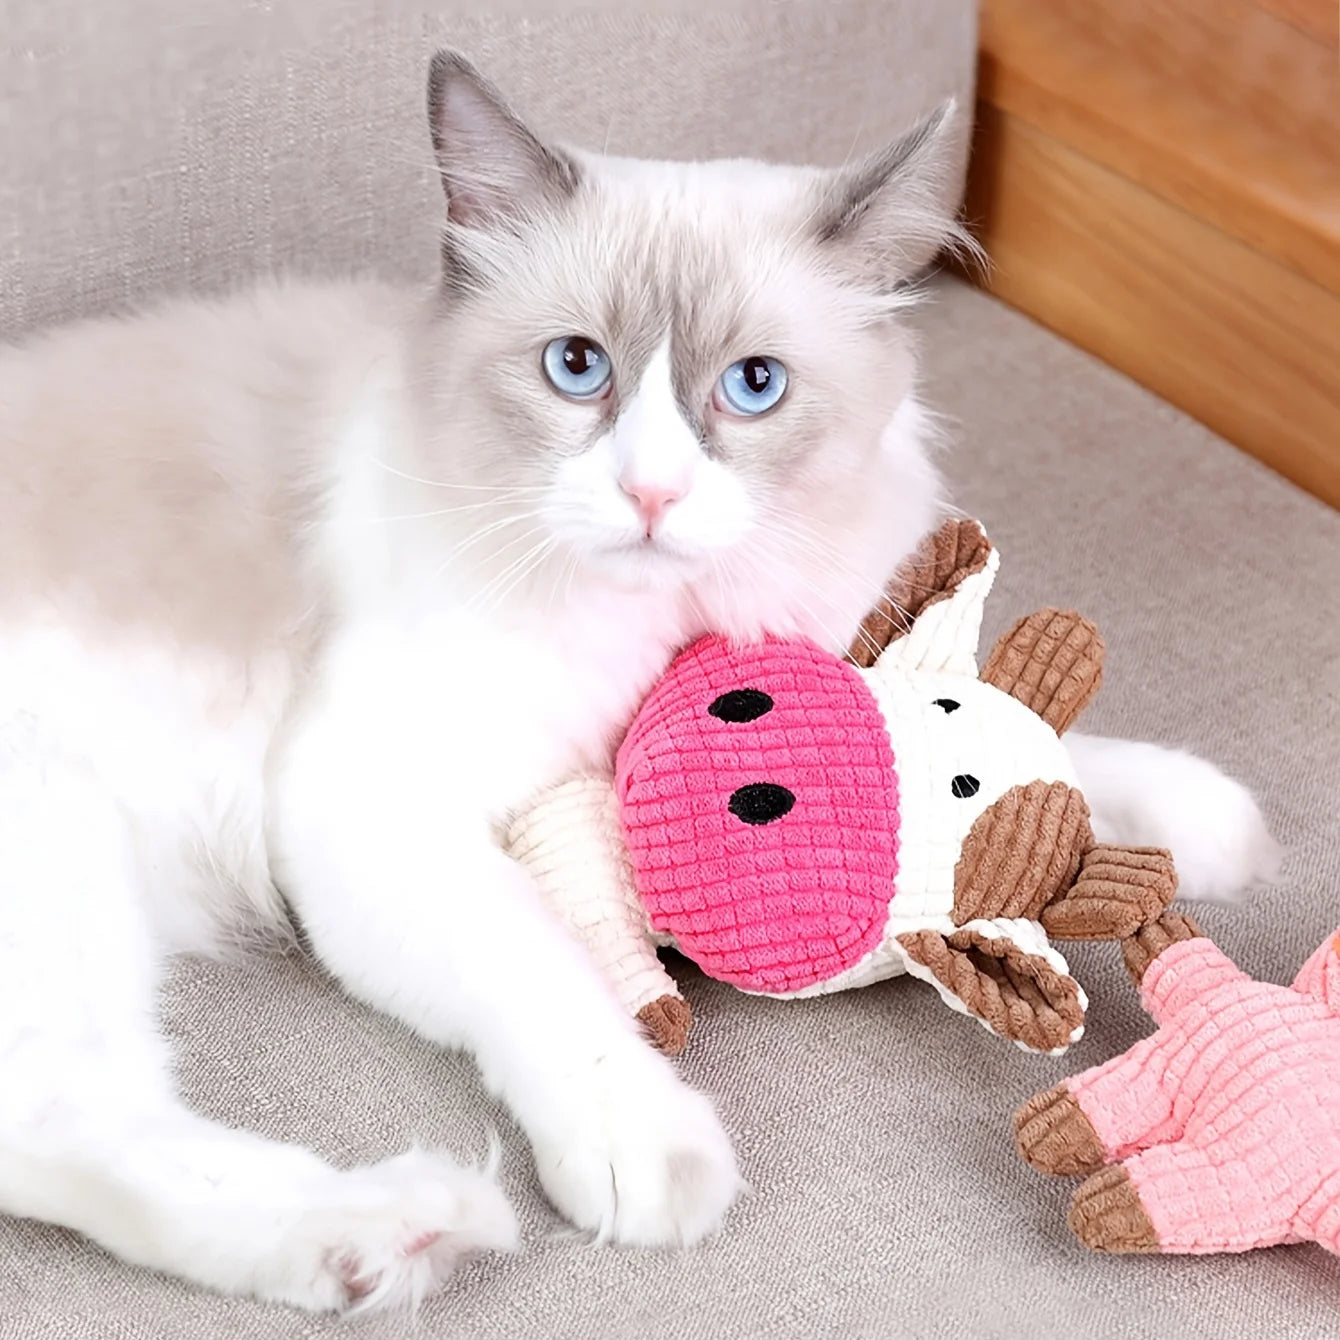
(798, 823)
(1221, 1132)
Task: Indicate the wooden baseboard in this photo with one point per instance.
(1159, 181)
(1236, 338)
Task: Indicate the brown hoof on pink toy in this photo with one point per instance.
(1106, 1214)
(1053, 1134)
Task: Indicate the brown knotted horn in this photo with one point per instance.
(1052, 662)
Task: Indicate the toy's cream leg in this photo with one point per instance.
(571, 842)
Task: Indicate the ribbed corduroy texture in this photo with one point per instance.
(765, 903)
(1227, 1120)
(888, 1202)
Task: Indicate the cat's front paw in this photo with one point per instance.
(641, 1160)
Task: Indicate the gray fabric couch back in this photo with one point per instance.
(157, 145)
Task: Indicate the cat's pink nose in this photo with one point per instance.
(651, 500)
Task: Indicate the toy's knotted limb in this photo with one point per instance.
(1118, 890)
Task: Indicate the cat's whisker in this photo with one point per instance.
(439, 511)
(835, 563)
(501, 585)
(800, 536)
(518, 489)
(482, 534)
(498, 553)
(563, 579)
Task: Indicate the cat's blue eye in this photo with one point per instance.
(577, 367)
(751, 386)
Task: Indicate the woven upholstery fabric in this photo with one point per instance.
(780, 904)
(160, 145)
(1227, 1120)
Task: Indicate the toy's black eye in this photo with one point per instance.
(761, 802)
(741, 705)
(965, 785)
(948, 704)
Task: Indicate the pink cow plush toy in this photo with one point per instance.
(1219, 1133)
(797, 822)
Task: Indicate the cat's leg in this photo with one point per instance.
(417, 912)
(92, 1136)
(1144, 795)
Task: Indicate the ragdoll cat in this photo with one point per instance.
(302, 591)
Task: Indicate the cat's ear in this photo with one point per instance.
(494, 171)
(889, 214)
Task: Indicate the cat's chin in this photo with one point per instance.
(646, 566)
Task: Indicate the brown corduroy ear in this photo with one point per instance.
(1052, 662)
(942, 560)
(1019, 995)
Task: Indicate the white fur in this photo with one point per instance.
(1147, 796)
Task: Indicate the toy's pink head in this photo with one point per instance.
(760, 803)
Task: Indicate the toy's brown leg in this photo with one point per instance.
(1103, 1114)
(1186, 1198)
(1053, 1134)
(667, 1020)
(1119, 890)
(1106, 1214)
(1142, 948)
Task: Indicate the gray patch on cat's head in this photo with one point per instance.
(495, 172)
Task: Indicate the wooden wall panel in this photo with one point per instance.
(1239, 341)
(1159, 180)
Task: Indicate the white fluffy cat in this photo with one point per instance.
(302, 591)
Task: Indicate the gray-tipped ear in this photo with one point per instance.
(889, 214)
(494, 170)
